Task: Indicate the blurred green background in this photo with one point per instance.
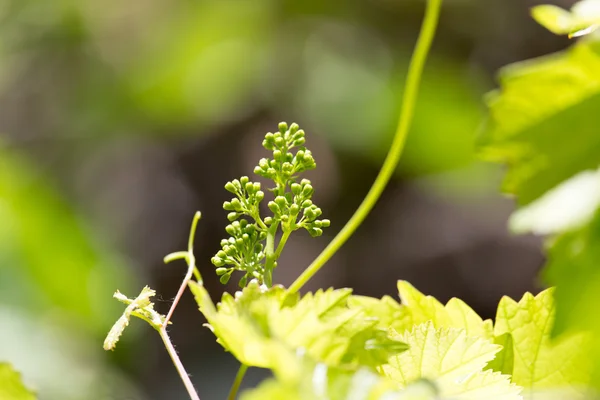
(120, 119)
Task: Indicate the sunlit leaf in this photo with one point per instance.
(11, 386)
(417, 308)
(323, 382)
(276, 327)
(453, 360)
(583, 18)
(537, 362)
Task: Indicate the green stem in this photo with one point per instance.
(281, 244)
(238, 381)
(270, 253)
(413, 79)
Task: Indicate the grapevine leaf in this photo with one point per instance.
(583, 18)
(416, 308)
(537, 121)
(11, 386)
(539, 363)
(570, 205)
(453, 360)
(323, 382)
(278, 326)
(504, 358)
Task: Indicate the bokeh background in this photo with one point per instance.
(119, 120)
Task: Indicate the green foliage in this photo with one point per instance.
(583, 18)
(538, 103)
(543, 125)
(333, 345)
(251, 246)
(322, 381)
(278, 326)
(453, 360)
(37, 227)
(417, 308)
(11, 386)
(573, 263)
(535, 362)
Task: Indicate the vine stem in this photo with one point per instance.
(162, 330)
(178, 365)
(409, 97)
(238, 381)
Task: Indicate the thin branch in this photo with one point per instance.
(191, 262)
(178, 365)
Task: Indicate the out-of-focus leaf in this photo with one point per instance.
(45, 349)
(568, 206)
(539, 364)
(324, 382)
(47, 256)
(541, 121)
(453, 361)
(583, 18)
(320, 326)
(11, 386)
(204, 62)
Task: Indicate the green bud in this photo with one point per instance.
(221, 271)
(225, 278)
(273, 207)
(325, 223)
(296, 188)
(236, 204)
(307, 190)
(306, 203)
(230, 251)
(268, 220)
(244, 180)
(239, 242)
(281, 201)
(221, 254)
(245, 237)
(230, 187)
(294, 209)
(277, 154)
(294, 128)
(243, 281)
(218, 262)
(227, 206)
(287, 167)
(232, 216)
(230, 229)
(259, 196)
(283, 127)
(314, 232)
